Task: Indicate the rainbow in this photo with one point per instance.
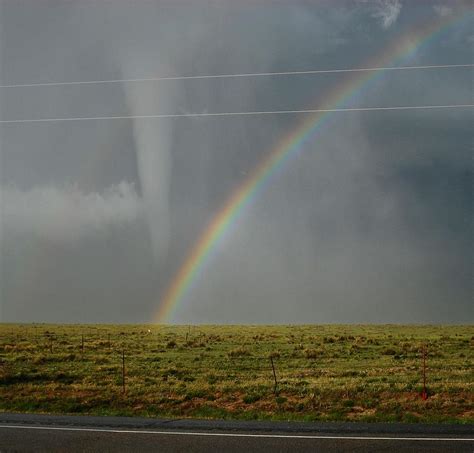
(400, 50)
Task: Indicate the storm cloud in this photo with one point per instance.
(67, 215)
(369, 222)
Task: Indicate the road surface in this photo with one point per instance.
(23, 433)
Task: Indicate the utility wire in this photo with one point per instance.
(251, 113)
(240, 75)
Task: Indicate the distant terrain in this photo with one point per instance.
(319, 372)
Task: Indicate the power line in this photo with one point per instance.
(251, 113)
(229, 76)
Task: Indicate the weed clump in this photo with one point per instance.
(389, 351)
(312, 353)
(212, 379)
(251, 398)
(239, 352)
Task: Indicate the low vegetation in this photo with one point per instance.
(356, 373)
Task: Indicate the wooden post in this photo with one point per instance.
(51, 344)
(274, 376)
(187, 334)
(82, 344)
(123, 370)
(424, 394)
(108, 340)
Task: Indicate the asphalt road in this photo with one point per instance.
(20, 433)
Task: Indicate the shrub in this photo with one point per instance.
(312, 353)
(251, 398)
(194, 394)
(212, 379)
(348, 403)
(239, 352)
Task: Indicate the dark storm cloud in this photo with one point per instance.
(370, 223)
(67, 254)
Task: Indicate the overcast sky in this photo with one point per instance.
(372, 222)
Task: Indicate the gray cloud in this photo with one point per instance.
(385, 11)
(360, 246)
(370, 222)
(442, 10)
(74, 256)
(67, 215)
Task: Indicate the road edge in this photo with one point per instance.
(234, 425)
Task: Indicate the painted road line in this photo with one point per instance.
(265, 436)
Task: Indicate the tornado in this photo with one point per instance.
(153, 140)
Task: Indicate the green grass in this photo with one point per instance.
(327, 372)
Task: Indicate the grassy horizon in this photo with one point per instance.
(331, 372)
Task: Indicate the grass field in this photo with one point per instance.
(328, 372)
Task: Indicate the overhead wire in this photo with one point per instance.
(244, 113)
(240, 75)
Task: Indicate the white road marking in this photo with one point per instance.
(204, 434)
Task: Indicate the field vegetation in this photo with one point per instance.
(319, 372)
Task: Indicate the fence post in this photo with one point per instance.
(274, 376)
(82, 344)
(123, 370)
(424, 394)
